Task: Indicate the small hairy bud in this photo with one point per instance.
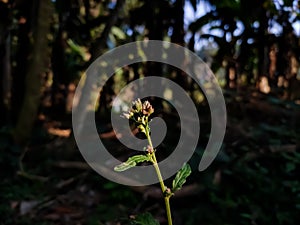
(149, 149)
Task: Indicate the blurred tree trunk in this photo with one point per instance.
(100, 43)
(154, 23)
(178, 38)
(178, 26)
(5, 65)
(262, 43)
(58, 62)
(191, 44)
(24, 17)
(37, 64)
(97, 49)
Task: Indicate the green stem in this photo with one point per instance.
(168, 209)
(161, 181)
(157, 170)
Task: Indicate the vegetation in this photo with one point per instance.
(140, 114)
(252, 47)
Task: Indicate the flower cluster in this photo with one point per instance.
(139, 111)
(147, 108)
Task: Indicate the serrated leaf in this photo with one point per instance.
(145, 219)
(180, 178)
(131, 162)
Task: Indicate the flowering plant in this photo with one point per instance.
(139, 113)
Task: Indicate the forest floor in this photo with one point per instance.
(254, 179)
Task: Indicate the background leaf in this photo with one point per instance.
(145, 219)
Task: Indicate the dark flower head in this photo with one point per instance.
(139, 111)
(147, 108)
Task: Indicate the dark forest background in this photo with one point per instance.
(253, 47)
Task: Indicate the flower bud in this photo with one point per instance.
(147, 108)
(137, 106)
(150, 149)
(128, 115)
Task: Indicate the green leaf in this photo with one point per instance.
(144, 219)
(76, 48)
(131, 162)
(246, 215)
(181, 176)
(118, 33)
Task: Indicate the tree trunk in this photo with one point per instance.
(60, 76)
(22, 54)
(37, 65)
(178, 38)
(100, 43)
(262, 44)
(5, 65)
(178, 26)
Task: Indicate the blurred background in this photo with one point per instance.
(253, 48)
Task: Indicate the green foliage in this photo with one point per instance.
(263, 190)
(119, 193)
(257, 189)
(144, 219)
(76, 57)
(181, 176)
(118, 33)
(132, 162)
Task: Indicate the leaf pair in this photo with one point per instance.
(178, 181)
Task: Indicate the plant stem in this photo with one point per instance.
(168, 209)
(161, 181)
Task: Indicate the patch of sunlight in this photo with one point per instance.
(59, 132)
(263, 85)
(168, 94)
(220, 74)
(141, 53)
(164, 55)
(119, 80)
(166, 107)
(131, 56)
(243, 79)
(198, 96)
(103, 64)
(282, 82)
(131, 73)
(166, 44)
